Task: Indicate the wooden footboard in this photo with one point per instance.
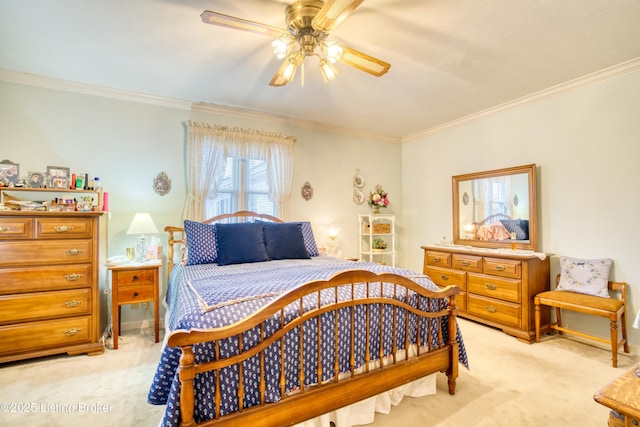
(430, 351)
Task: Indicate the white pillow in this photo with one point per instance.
(585, 276)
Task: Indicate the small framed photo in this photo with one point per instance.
(35, 180)
(9, 173)
(58, 177)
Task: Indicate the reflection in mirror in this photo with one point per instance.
(496, 208)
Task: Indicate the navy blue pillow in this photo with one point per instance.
(284, 240)
(309, 240)
(240, 243)
(201, 242)
(518, 226)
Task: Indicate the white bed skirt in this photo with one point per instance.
(363, 412)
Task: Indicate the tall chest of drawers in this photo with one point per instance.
(497, 287)
(49, 287)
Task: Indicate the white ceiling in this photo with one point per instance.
(449, 58)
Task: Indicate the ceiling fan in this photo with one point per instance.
(309, 23)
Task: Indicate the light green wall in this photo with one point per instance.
(585, 143)
(128, 143)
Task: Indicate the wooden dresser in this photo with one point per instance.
(497, 287)
(49, 287)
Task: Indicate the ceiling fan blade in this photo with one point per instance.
(333, 13)
(364, 62)
(215, 18)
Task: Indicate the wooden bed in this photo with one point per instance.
(440, 352)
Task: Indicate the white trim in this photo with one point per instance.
(89, 89)
(599, 76)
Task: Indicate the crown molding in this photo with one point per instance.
(89, 89)
(589, 79)
(222, 110)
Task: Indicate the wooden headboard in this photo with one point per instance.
(177, 237)
(492, 219)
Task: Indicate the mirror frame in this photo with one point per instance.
(532, 243)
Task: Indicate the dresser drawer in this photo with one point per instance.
(45, 252)
(32, 279)
(499, 311)
(446, 277)
(494, 287)
(16, 228)
(467, 262)
(503, 267)
(135, 294)
(42, 335)
(26, 307)
(63, 228)
(440, 259)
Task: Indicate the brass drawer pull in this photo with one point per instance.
(466, 263)
(74, 252)
(491, 309)
(63, 228)
(71, 332)
(444, 277)
(73, 277)
(72, 303)
(437, 259)
(3, 229)
(499, 267)
(490, 286)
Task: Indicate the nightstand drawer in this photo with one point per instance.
(134, 294)
(134, 277)
(15, 228)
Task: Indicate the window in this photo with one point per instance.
(243, 187)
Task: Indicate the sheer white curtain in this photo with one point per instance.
(208, 146)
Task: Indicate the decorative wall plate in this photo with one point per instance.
(358, 181)
(358, 197)
(465, 198)
(162, 184)
(307, 191)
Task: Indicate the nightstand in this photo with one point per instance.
(133, 284)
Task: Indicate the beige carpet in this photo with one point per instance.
(509, 384)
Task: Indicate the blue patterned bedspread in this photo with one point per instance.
(209, 296)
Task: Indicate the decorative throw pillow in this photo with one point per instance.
(240, 243)
(309, 240)
(284, 241)
(518, 226)
(201, 243)
(585, 276)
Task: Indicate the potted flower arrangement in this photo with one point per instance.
(378, 199)
(378, 245)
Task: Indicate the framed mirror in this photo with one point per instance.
(496, 209)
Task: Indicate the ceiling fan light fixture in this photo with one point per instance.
(332, 50)
(329, 71)
(280, 46)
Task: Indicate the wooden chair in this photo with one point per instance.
(612, 308)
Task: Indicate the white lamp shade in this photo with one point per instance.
(142, 224)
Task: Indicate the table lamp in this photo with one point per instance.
(142, 224)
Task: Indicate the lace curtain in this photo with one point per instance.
(492, 196)
(208, 146)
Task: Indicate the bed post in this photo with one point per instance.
(186, 373)
(452, 372)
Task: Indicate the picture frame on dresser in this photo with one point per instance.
(35, 180)
(58, 177)
(9, 173)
